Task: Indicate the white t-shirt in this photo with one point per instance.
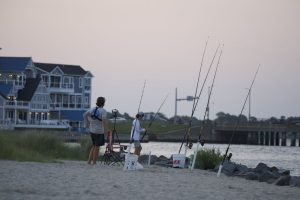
(92, 116)
(136, 126)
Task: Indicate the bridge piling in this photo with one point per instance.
(272, 139)
(283, 138)
(277, 139)
(293, 139)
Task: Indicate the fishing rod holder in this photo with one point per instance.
(190, 145)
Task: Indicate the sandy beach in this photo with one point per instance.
(77, 180)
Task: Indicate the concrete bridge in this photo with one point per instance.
(254, 133)
(258, 134)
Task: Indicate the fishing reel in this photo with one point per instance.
(114, 113)
(190, 145)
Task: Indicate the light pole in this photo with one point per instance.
(188, 98)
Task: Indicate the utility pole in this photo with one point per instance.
(188, 98)
(175, 116)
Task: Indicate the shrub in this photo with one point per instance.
(37, 146)
(208, 159)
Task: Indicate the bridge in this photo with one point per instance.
(252, 133)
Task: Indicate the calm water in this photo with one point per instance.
(249, 155)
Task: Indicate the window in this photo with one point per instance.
(45, 80)
(68, 82)
(80, 82)
(78, 101)
(55, 81)
(87, 84)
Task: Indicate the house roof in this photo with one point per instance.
(29, 89)
(66, 69)
(5, 89)
(72, 115)
(13, 64)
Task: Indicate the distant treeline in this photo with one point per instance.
(221, 118)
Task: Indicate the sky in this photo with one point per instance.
(124, 43)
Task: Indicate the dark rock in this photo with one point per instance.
(163, 158)
(274, 169)
(143, 159)
(283, 180)
(267, 176)
(295, 181)
(229, 168)
(242, 169)
(164, 163)
(284, 172)
(261, 167)
(251, 176)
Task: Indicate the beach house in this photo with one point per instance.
(42, 95)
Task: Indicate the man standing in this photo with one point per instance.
(96, 120)
(136, 133)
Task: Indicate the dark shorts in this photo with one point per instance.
(97, 139)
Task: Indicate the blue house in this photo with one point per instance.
(42, 95)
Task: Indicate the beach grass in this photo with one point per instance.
(208, 158)
(39, 146)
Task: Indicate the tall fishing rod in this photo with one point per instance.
(198, 97)
(141, 96)
(126, 166)
(200, 69)
(150, 123)
(206, 110)
(137, 112)
(236, 126)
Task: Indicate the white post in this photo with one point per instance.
(219, 171)
(195, 155)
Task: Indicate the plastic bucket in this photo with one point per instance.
(130, 162)
(178, 160)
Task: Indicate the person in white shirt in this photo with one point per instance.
(96, 120)
(136, 133)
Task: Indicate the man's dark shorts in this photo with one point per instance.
(98, 139)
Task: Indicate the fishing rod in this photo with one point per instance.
(195, 95)
(131, 139)
(206, 111)
(141, 96)
(186, 136)
(196, 91)
(236, 126)
(150, 123)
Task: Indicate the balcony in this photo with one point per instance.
(38, 124)
(61, 88)
(17, 104)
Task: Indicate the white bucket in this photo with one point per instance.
(178, 160)
(130, 162)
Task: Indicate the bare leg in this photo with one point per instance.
(95, 154)
(91, 155)
(137, 151)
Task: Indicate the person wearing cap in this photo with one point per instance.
(96, 120)
(136, 133)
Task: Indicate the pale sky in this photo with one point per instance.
(125, 42)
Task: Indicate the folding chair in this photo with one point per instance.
(114, 152)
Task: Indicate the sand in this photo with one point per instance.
(78, 180)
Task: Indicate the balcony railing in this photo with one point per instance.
(16, 104)
(19, 123)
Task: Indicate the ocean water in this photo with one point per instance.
(250, 155)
